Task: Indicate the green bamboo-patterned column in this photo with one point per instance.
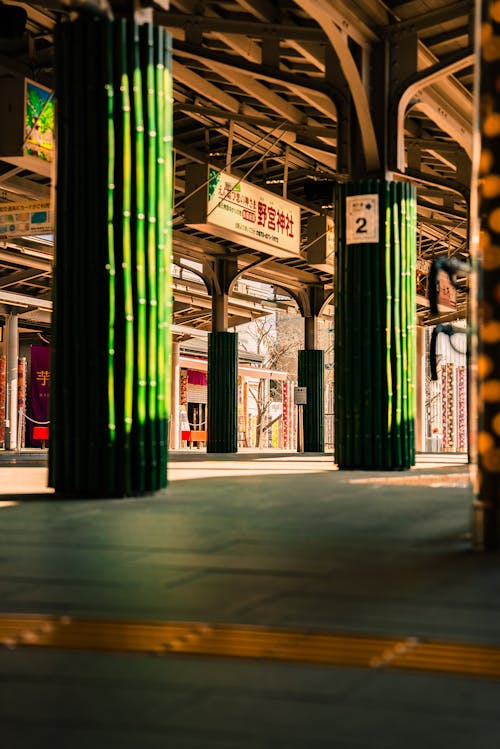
(222, 393)
(112, 293)
(486, 294)
(311, 367)
(375, 325)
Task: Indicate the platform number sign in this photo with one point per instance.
(362, 219)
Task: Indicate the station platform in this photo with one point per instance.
(262, 600)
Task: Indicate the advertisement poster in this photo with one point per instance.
(39, 388)
(25, 219)
(39, 122)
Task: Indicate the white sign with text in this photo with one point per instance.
(362, 225)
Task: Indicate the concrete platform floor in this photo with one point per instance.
(271, 541)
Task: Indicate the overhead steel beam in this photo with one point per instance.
(22, 275)
(251, 72)
(253, 29)
(17, 258)
(207, 90)
(26, 187)
(261, 9)
(300, 128)
(23, 300)
(320, 12)
(430, 18)
(412, 91)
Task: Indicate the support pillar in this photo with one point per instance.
(311, 375)
(222, 418)
(311, 370)
(375, 316)
(112, 295)
(12, 349)
(175, 397)
(485, 363)
(222, 392)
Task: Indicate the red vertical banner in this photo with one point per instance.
(241, 426)
(39, 388)
(21, 400)
(462, 409)
(286, 415)
(183, 388)
(3, 379)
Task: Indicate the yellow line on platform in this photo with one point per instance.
(198, 638)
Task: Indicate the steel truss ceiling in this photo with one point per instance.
(258, 85)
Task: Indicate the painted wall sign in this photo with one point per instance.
(25, 219)
(223, 205)
(362, 224)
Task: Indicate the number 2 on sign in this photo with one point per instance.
(362, 219)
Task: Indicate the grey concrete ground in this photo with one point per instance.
(257, 539)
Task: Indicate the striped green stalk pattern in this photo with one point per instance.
(311, 369)
(222, 393)
(375, 333)
(112, 294)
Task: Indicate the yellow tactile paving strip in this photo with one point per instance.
(192, 638)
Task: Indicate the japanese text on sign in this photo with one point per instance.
(253, 212)
(362, 225)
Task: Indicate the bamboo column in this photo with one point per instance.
(486, 527)
(375, 333)
(222, 392)
(112, 308)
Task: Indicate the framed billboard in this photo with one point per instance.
(25, 219)
(28, 115)
(226, 206)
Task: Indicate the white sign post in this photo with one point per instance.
(300, 400)
(300, 396)
(362, 224)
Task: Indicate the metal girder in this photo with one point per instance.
(251, 86)
(26, 187)
(320, 12)
(213, 93)
(22, 275)
(262, 9)
(195, 82)
(312, 299)
(239, 43)
(446, 184)
(208, 24)
(431, 18)
(265, 122)
(361, 22)
(250, 71)
(447, 36)
(23, 300)
(412, 91)
(243, 271)
(16, 258)
(273, 271)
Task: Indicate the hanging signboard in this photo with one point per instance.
(321, 242)
(25, 219)
(362, 224)
(28, 119)
(447, 294)
(225, 206)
